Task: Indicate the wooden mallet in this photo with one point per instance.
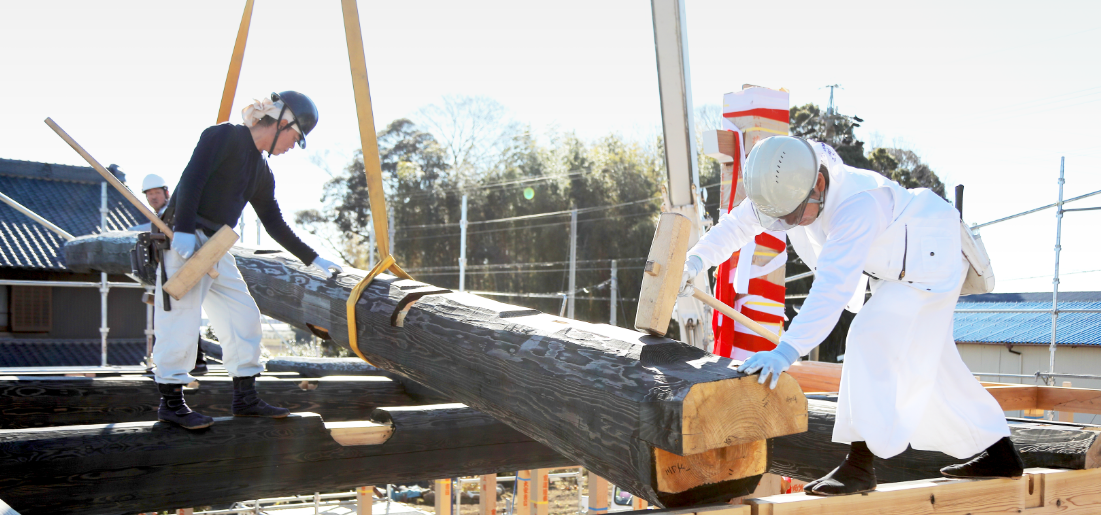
(199, 264)
(661, 282)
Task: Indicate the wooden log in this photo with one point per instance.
(605, 397)
(144, 466)
(36, 401)
(813, 454)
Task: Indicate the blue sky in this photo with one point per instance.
(990, 93)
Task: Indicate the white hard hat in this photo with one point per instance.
(152, 181)
(779, 176)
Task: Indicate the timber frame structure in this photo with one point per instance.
(668, 422)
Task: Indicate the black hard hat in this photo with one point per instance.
(303, 109)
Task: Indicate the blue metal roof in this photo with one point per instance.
(1029, 328)
(68, 196)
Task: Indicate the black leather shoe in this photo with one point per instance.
(856, 475)
(200, 369)
(998, 460)
(173, 409)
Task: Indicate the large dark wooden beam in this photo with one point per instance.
(37, 401)
(144, 466)
(813, 454)
(623, 404)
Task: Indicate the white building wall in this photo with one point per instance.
(986, 359)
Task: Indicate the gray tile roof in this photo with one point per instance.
(69, 353)
(1028, 328)
(68, 196)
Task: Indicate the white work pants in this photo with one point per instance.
(233, 315)
(905, 383)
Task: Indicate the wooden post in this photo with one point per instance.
(638, 503)
(598, 495)
(443, 496)
(487, 501)
(365, 498)
(185, 511)
(522, 502)
(1065, 416)
(540, 484)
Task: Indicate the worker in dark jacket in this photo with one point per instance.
(226, 171)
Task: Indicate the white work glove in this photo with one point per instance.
(773, 362)
(692, 267)
(327, 266)
(185, 244)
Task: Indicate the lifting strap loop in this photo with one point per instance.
(387, 263)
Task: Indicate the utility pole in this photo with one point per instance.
(573, 263)
(241, 223)
(258, 227)
(462, 248)
(831, 110)
(614, 286)
(390, 226)
(1055, 278)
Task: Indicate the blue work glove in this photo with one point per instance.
(185, 244)
(327, 266)
(773, 362)
(692, 267)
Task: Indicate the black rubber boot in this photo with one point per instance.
(200, 361)
(247, 403)
(856, 475)
(173, 409)
(998, 460)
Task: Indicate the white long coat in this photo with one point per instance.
(903, 382)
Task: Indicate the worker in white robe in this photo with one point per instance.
(904, 382)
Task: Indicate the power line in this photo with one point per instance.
(525, 227)
(532, 216)
(520, 265)
(496, 272)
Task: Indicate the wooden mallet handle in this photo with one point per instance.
(734, 314)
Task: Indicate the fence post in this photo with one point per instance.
(365, 498)
(443, 496)
(522, 503)
(598, 495)
(487, 501)
(540, 486)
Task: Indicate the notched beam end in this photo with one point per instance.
(740, 411)
(360, 432)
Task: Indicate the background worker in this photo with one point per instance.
(227, 169)
(904, 382)
(156, 193)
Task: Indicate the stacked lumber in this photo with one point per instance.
(668, 422)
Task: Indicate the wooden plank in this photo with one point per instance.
(816, 376)
(813, 454)
(1064, 492)
(597, 489)
(235, 60)
(131, 467)
(522, 502)
(487, 498)
(31, 401)
(603, 396)
(1076, 400)
(939, 496)
(204, 259)
(365, 500)
(443, 497)
(541, 486)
